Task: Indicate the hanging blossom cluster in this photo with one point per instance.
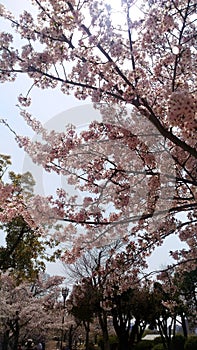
(12, 205)
(182, 113)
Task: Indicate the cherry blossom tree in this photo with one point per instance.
(179, 297)
(98, 296)
(87, 301)
(29, 310)
(132, 311)
(101, 294)
(12, 195)
(136, 170)
(82, 304)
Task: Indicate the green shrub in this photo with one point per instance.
(144, 345)
(91, 346)
(113, 339)
(191, 343)
(178, 342)
(157, 340)
(158, 347)
(100, 342)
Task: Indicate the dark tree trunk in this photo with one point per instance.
(70, 337)
(106, 340)
(122, 330)
(5, 340)
(184, 326)
(87, 329)
(123, 342)
(102, 316)
(133, 334)
(163, 330)
(16, 335)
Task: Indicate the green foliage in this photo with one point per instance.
(157, 340)
(187, 285)
(100, 342)
(113, 339)
(84, 303)
(159, 347)
(23, 182)
(5, 162)
(22, 251)
(91, 346)
(178, 342)
(144, 345)
(191, 343)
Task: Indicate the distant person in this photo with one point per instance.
(39, 346)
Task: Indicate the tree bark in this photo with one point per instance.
(102, 316)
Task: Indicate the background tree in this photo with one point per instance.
(188, 291)
(101, 294)
(29, 310)
(89, 271)
(180, 297)
(83, 305)
(131, 304)
(24, 249)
